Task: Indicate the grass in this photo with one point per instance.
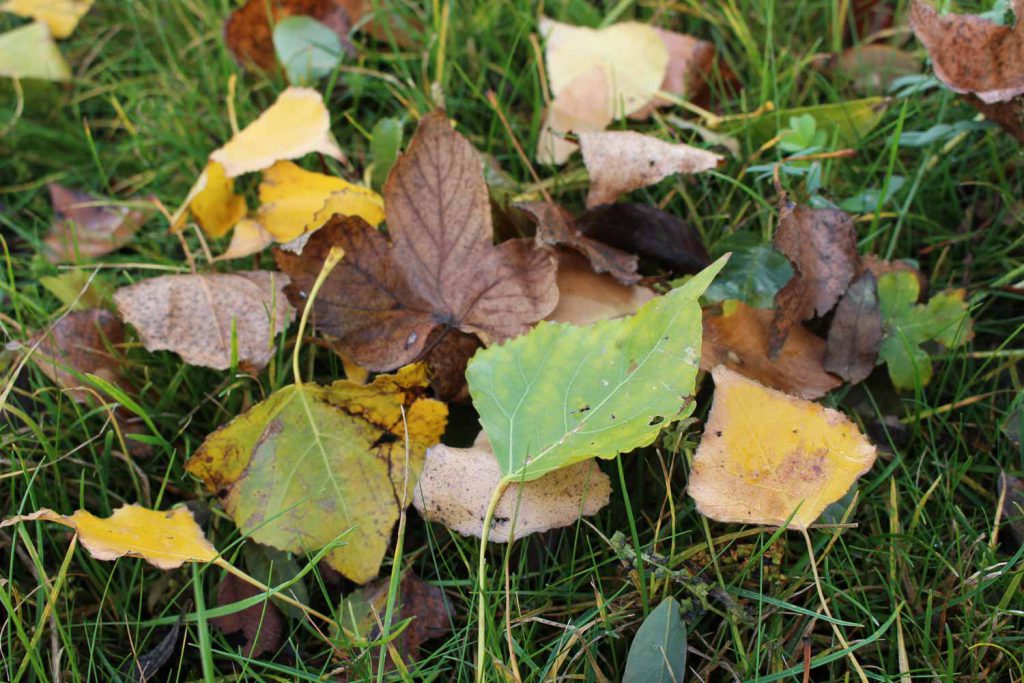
(934, 593)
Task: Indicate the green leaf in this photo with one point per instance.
(561, 394)
(385, 142)
(944, 320)
(29, 52)
(845, 123)
(658, 652)
(306, 48)
(754, 273)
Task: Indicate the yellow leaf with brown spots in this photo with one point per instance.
(766, 455)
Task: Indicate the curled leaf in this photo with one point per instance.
(213, 203)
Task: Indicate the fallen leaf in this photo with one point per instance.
(1013, 504)
(262, 624)
(441, 268)
(385, 144)
(847, 123)
(248, 30)
(622, 161)
(85, 228)
(754, 274)
(648, 231)
(584, 105)
(447, 360)
(145, 666)
(382, 22)
(80, 343)
(62, 16)
(424, 603)
(457, 483)
(29, 52)
(765, 456)
(80, 289)
(871, 69)
(822, 246)
(585, 297)
(977, 58)
(294, 201)
(561, 394)
(202, 316)
(658, 651)
(944, 319)
(295, 125)
(856, 332)
(690, 61)
(879, 267)
(166, 539)
(212, 202)
(556, 226)
(248, 238)
(738, 339)
(632, 55)
(313, 464)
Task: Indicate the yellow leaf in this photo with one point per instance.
(166, 539)
(296, 201)
(213, 203)
(248, 238)
(632, 55)
(295, 125)
(60, 15)
(764, 454)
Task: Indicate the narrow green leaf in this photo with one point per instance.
(658, 652)
(562, 394)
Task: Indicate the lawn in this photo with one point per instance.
(922, 574)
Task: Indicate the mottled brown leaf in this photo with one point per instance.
(447, 358)
(556, 226)
(648, 231)
(261, 624)
(440, 269)
(194, 315)
(248, 31)
(738, 339)
(856, 332)
(83, 227)
(822, 246)
(977, 58)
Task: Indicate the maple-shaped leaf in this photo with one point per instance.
(314, 463)
(440, 269)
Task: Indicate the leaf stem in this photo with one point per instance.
(333, 257)
(481, 626)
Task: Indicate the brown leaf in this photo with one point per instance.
(977, 58)
(249, 34)
(447, 359)
(690, 61)
(585, 297)
(1013, 504)
(441, 268)
(622, 161)
(873, 68)
(738, 339)
(84, 229)
(856, 332)
(261, 624)
(822, 246)
(387, 25)
(195, 315)
(556, 226)
(652, 233)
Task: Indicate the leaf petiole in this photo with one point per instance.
(481, 626)
(333, 257)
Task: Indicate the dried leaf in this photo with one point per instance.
(166, 539)
(295, 201)
(584, 105)
(248, 238)
(447, 360)
(381, 21)
(632, 55)
(652, 233)
(622, 161)
(457, 483)
(80, 342)
(248, 30)
(856, 332)
(765, 456)
(200, 316)
(585, 297)
(556, 226)
(295, 125)
(62, 16)
(212, 202)
(441, 269)
(29, 52)
(312, 464)
(822, 246)
(690, 62)
(977, 58)
(1013, 504)
(738, 339)
(262, 624)
(145, 666)
(85, 228)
